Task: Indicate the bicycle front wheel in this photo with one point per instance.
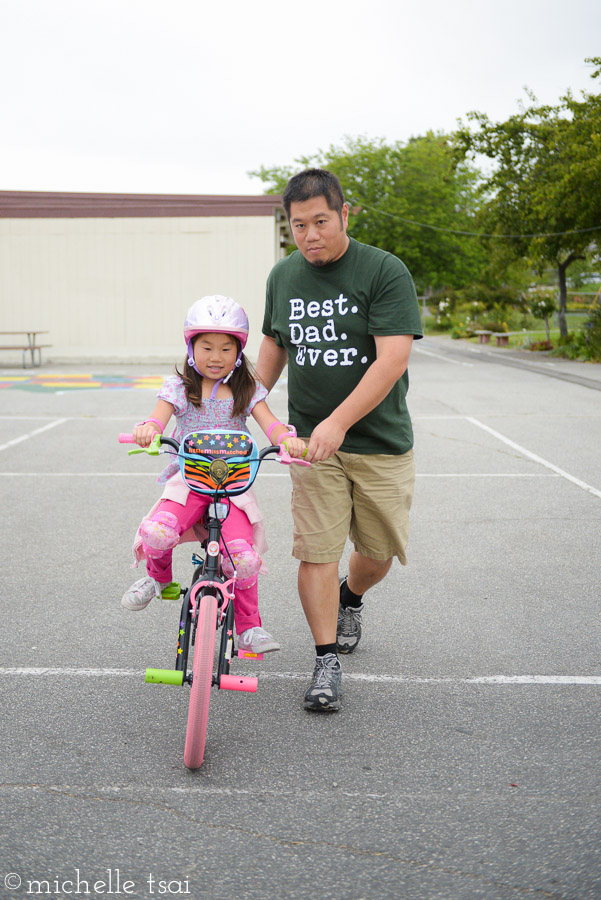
(202, 679)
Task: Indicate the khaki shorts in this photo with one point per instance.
(361, 496)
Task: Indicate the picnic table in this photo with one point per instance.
(28, 345)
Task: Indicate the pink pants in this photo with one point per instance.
(237, 525)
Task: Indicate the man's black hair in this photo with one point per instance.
(314, 183)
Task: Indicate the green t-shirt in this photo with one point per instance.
(325, 317)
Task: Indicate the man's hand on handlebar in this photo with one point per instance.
(325, 440)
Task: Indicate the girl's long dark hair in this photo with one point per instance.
(243, 383)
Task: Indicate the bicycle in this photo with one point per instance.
(220, 463)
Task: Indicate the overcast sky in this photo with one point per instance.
(187, 96)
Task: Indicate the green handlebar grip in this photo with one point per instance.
(171, 591)
(164, 676)
(153, 449)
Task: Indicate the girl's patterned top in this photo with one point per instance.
(212, 414)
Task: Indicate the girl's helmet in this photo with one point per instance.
(215, 314)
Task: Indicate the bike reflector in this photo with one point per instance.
(218, 461)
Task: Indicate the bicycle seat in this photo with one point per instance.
(218, 461)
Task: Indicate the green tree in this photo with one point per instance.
(407, 198)
(545, 184)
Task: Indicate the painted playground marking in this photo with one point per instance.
(59, 383)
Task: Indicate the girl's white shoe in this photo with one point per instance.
(257, 640)
(141, 593)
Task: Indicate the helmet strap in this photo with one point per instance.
(237, 365)
(191, 362)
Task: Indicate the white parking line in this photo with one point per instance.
(269, 475)
(447, 359)
(484, 475)
(536, 458)
(25, 437)
(557, 680)
(78, 474)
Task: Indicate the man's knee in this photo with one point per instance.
(159, 533)
(246, 562)
(373, 566)
(365, 572)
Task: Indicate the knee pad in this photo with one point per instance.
(159, 533)
(246, 561)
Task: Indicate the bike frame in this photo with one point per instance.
(209, 579)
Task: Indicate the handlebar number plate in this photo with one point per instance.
(218, 460)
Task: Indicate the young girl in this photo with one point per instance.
(216, 389)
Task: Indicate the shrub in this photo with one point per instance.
(461, 330)
(496, 326)
(586, 342)
(591, 332)
(443, 315)
(543, 306)
(539, 345)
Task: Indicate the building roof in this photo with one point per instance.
(53, 205)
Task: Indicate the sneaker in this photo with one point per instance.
(348, 631)
(323, 692)
(141, 593)
(257, 640)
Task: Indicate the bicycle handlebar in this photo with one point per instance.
(283, 456)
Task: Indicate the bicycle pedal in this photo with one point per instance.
(246, 654)
(164, 676)
(171, 591)
(236, 683)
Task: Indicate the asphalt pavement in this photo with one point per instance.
(464, 762)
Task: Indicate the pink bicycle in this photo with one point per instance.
(211, 462)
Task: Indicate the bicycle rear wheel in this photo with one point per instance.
(202, 679)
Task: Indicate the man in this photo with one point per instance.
(343, 315)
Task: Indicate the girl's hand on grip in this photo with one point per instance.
(296, 448)
(144, 433)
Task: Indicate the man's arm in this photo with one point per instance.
(392, 359)
(271, 362)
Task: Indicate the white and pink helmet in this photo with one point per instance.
(215, 314)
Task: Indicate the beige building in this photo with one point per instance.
(110, 276)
